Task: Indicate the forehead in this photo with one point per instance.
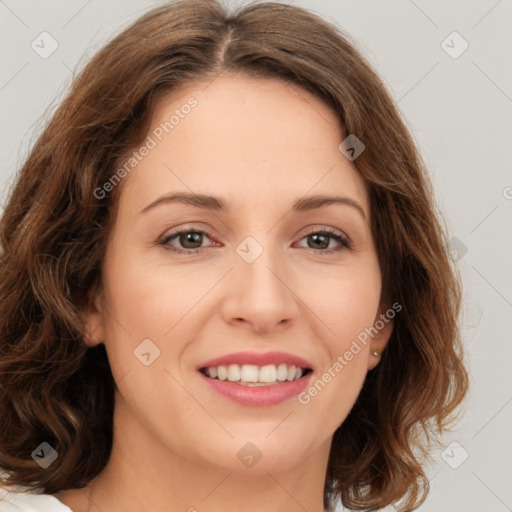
(251, 140)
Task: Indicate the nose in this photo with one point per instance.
(259, 295)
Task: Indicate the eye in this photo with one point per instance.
(321, 241)
(190, 241)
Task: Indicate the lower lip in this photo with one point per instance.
(258, 395)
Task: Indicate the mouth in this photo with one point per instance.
(256, 376)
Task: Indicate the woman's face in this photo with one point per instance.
(267, 276)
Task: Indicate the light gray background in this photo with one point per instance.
(460, 112)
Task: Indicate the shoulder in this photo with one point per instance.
(23, 501)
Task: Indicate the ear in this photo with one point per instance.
(383, 325)
(93, 318)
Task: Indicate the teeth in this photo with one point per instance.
(268, 373)
(249, 373)
(233, 372)
(291, 373)
(282, 372)
(253, 375)
(222, 373)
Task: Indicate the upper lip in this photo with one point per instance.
(256, 358)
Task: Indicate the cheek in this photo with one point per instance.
(146, 299)
(149, 299)
(148, 321)
(346, 302)
(347, 307)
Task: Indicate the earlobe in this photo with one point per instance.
(94, 332)
(383, 324)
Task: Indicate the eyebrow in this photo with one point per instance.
(207, 202)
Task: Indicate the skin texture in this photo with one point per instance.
(261, 145)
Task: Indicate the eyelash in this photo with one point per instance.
(345, 243)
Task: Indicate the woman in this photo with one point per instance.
(223, 282)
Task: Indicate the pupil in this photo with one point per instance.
(322, 239)
(192, 238)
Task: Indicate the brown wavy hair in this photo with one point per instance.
(54, 232)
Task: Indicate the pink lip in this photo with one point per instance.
(257, 358)
(272, 394)
(258, 395)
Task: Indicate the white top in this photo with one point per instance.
(24, 501)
